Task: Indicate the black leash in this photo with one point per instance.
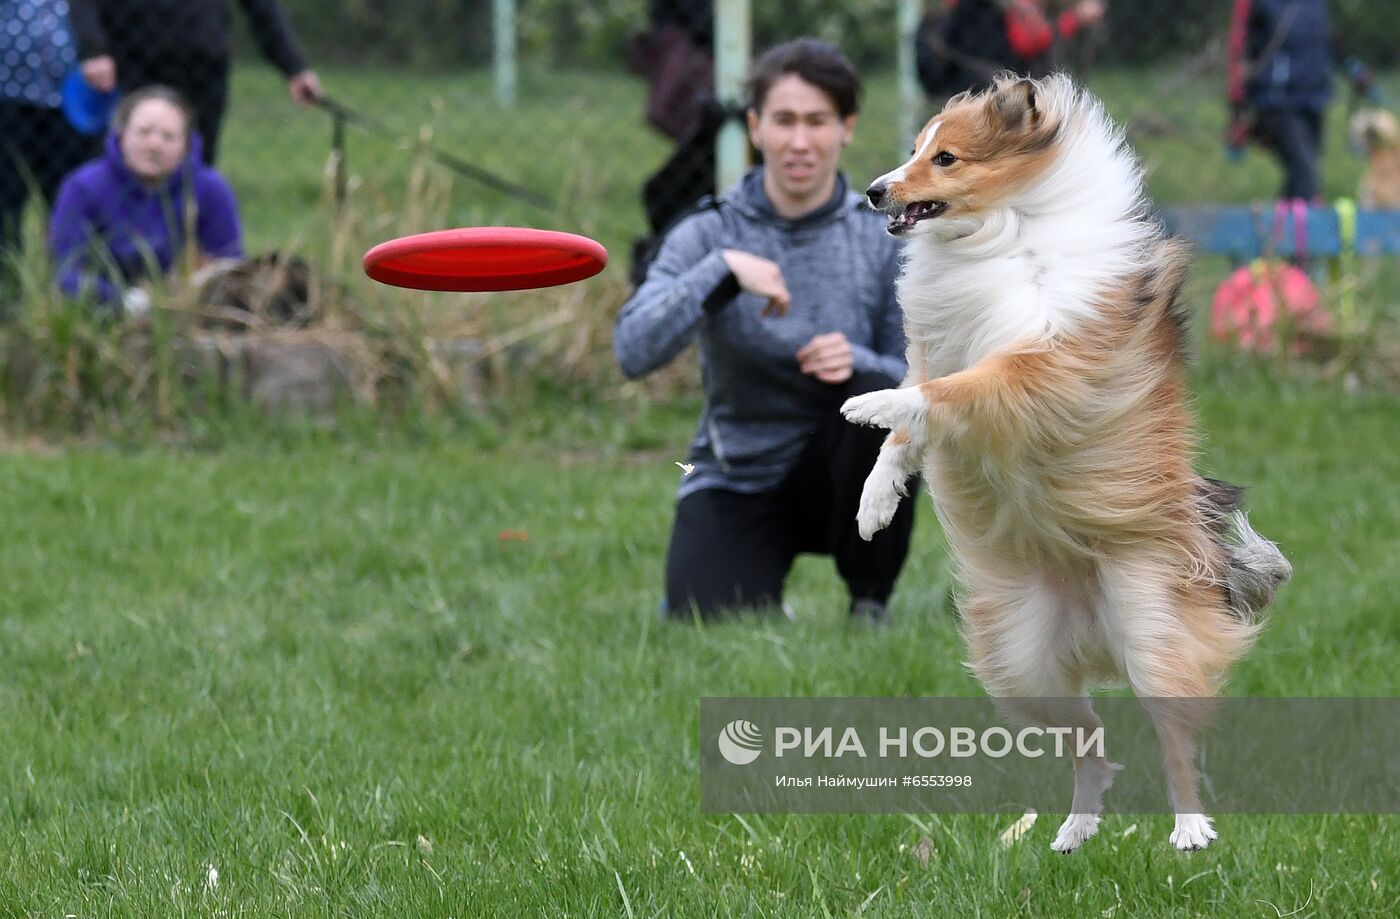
(343, 114)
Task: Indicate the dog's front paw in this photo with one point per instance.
(1074, 832)
(888, 408)
(1192, 832)
(879, 499)
(878, 502)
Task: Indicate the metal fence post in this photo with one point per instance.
(910, 95)
(503, 21)
(733, 48)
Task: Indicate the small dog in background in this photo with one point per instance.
(1046, 403)
(1376, 132)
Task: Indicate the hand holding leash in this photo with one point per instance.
(305, 88)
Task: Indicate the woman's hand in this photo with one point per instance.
(136, 302)
(100, 73)
(305, 87)
(828, 358)
(760, 276)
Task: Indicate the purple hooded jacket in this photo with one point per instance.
(108, 230)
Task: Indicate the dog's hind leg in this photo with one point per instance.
(1093, 773)
(1171, 638)
(1178, 722)
(1022, 642)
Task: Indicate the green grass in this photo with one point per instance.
(316, 667)
(309, 661)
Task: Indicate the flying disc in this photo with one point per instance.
(485, 258)
(88, 110)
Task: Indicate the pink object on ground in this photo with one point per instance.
(1250, 302)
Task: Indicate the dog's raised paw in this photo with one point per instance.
(877, 507)
(1074, 831)
(1192, 832)
(887, 408)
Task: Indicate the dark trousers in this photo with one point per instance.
(1295, 135)
(730, 550)
(38, 147)
(201, 79)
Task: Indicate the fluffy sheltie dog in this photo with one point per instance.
(1046, 405)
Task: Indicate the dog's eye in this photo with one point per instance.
(944, 159)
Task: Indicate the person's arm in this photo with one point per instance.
(1027, 29)
(1083, 14)
(886, 353)
(217, 230)
(688, 279)
(1031, 33)
(94, 48)
(1359, 77)
(1237, 54)
(70, 237)
(931, 61)
(85, 17)
(274, 36)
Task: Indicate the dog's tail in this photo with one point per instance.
(1256, 568)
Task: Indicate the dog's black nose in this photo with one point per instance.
(876, 193)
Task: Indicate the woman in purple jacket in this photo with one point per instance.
(123, 218)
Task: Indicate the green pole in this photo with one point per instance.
(503, 21)
(911, 101)
(733, 48)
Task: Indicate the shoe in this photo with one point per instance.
(865, 609)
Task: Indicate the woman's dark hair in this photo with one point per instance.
(816, 62)
(145, 94)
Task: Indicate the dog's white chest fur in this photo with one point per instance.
(1029, 272)
(960, 309)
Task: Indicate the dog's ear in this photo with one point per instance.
(1372, 136)
(1381, 131)
(957, 100)
(1015, 106)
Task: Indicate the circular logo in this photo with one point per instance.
(740, 742)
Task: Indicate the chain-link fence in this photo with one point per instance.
(600, 116)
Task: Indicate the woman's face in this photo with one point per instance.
(154, 139)
(801, 136)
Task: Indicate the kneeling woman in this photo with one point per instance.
(123, 218)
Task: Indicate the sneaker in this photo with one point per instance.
(864, 609)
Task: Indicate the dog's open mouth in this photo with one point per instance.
(904, 219)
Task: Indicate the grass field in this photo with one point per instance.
(305, 675)
(316, 668)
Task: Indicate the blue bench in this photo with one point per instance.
(1340, 234)
(1245, 233)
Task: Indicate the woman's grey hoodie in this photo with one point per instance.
(840, 267)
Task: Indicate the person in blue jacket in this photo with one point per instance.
(787, 283)
(1281, 69)
(123, 218)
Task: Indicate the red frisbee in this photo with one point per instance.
(485, 258)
